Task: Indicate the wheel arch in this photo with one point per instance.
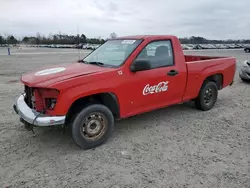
(109, 99)
(217, 78)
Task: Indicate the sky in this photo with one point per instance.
(212, 19)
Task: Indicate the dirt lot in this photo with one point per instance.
(174, 147)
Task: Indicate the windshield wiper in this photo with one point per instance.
(95, 63)
(91, 62)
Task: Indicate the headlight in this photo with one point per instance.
(50, 103)
(45, 98)
(49, 97)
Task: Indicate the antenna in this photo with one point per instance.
(78, 43)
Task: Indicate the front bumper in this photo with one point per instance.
(33, 117)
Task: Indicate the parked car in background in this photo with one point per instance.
(190, 46)
(210, 46)
(238, 45)
(92, 46)
(197, 47)
(89, 47)
(85, 46)
(245, 45)
(203, 46)
(219, 46)
(78, 46)
(245, 71)
(224, 46)
(247, 49)
(232, 46)
(184, 47)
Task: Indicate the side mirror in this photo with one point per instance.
(140, 65)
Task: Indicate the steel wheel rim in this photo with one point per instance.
(94, 126)
(208, 96)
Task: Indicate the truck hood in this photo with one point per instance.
(46, 76)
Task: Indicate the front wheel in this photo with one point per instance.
(92, 126)
(207, 96)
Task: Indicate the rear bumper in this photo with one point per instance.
(33, 117)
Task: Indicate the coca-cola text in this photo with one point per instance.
(160, 87)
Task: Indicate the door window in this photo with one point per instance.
(158, 53)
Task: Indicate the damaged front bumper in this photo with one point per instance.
(33, 117)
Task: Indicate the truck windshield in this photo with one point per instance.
(112, 53)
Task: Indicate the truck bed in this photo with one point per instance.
(201, 67)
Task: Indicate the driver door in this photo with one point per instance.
(159, 86)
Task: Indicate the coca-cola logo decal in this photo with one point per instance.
(160, 87)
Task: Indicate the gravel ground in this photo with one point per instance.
(177, 146)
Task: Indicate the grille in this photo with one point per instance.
(28, 97)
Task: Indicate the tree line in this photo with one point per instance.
(8, 40)
(201, 40)
(81, 38)
(52, 39)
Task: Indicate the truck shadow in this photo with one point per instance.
(168, 116)
(152, 118)
(51, 139)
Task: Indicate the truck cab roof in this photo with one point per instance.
(151, 37)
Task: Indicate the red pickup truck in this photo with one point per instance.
(124, 77)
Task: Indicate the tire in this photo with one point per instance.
(202, 102)
(98, 116)
(247, 50)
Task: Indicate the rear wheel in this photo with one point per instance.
(92, 126)
(207, 96)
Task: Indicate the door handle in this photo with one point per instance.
(173, 72)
